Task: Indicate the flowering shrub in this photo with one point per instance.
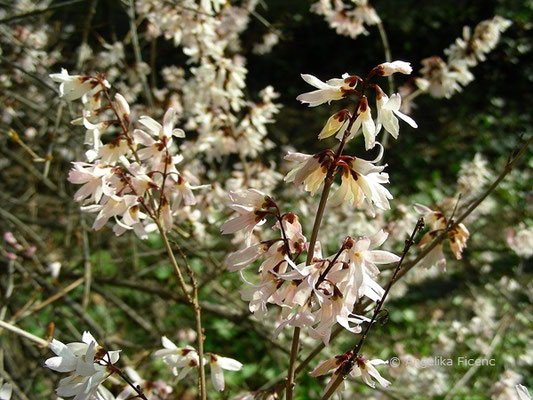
(164, 186)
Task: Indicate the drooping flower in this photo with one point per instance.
(152, 390)
(360, 180)
(184, 358)
(364, 120)
(336, 123)
(217, 365)
(311, 170)
(366, 370)
(388, 110)
(251, 205)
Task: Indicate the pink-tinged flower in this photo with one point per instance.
(388, 110)
(10, 239)
(333, 89)
(184, 358)
(250, 205)
(72, 87)
(158, 137)
(294, 232)
(311, 170)
(364, 120)
(242, 258)
(366, 370)
(217, 365)
(94, 178)
(390, 68)
(361, 180)
(336, 123)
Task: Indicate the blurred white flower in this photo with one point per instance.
(390, 68)
(218, 364)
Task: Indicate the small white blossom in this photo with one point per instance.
(390, 68)
(72, 87)
(217, 365)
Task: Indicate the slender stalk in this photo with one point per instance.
(192, 300)
(137, 53)
(23, 333)
(137, 389)
(199, 329)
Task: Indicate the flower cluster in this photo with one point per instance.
(347, 20)
(133, 175)
(88, 364)
(443, 78)
(315, 296)
(183, 360)
(324, 291)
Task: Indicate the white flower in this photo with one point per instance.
(5, 391)
(218, 364)
(364, 120)
(457, 236)
(72, 87)
(390, 68)
(123, 107)
(325, 366)
(523, 393)
(362, 257)
(333, 89)
(94, 179)
(242, 258)
(184, 358)
(166, 130)
(250, 205)
(311, 171)
(388, 110)
(366, 370)
(361, 180)
(87, 363)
